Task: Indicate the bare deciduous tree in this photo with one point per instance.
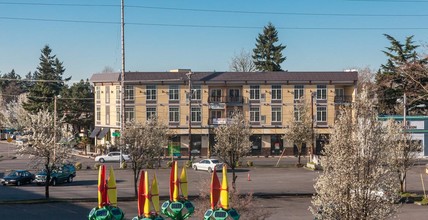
(44, 146)
(355, 183)
(299, 129)
(233, 142)
(242, 62)
(146, 141)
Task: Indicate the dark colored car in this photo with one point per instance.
(65, 173)
(18, 177)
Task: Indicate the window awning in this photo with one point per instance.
(95, 132)
(103, 133)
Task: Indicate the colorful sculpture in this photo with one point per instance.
(107, 198)
(145, 196)
(221, 193)
(178, 207)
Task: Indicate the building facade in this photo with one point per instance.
(267, 99)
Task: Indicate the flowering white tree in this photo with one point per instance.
(43, 145)
(300, 130)
(14, 115)
(233, 142)
(356, 182)
(146, 141)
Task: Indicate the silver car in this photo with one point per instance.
(208, 165)
(112, 156)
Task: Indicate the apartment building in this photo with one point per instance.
(267, 99)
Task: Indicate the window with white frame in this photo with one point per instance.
(276, 114)
(196, 114)
(107, 88)
(173, 92)
(117, 115)
(297, 113)
(254, 92)
(321, 92)
(117, 94)
(98, 118)
(107, 115)
(339, 94)
(150, 112)
(98, 92)
(321, 113)
(196, 93)
(129, 92)
(174, 114)
(129, 114)
(276, 92)
(254, 114)
(151, 92)
(298, 92)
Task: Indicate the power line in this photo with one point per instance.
(214, 26)
(229, 11)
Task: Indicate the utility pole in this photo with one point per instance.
(312, 126)
(54, 134)
(122, 81)
(189, 76)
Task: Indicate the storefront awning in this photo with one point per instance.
(95, 132)
(103, 133)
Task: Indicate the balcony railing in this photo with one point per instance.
(219, 121)
(226, 99)
(342, 99)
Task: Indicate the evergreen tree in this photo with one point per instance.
(76, 104)
(49, 82)
(402, 73)
(10, 87)
(267, 56)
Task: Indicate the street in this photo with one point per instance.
(277, 186)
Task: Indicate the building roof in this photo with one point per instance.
(346, 76)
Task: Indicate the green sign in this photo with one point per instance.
(116, 134)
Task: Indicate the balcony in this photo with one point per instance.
(219, 121)
(226, 99)
(342, 99)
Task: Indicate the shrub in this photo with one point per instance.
(189, 163)
(424, 201)
(97, 166)
(124, 165)
(238, 164)
(88, 167)
(250, 163)
(150, 165)
(78, 166)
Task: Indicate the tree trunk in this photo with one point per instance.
(135, 182)
(234, 177)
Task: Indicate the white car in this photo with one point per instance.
(208, 165)
(112, 156)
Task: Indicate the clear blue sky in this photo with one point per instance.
(321, 35)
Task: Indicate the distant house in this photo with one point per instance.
(267, 99)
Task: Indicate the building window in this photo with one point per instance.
(107, 94)
(151, 92)
(117, 94)
(196, 114)
(117, 115)
(321, 92)
(98, 113)
(215, 95)
(107, 115)
(150, 112)
(255, 92)
(298, 92)
(276, 92)
(98, 92)
(196, 93)
(321, 113)
(254, 114)
(276, 114)
(129, 114)
(297, 113)
(174, 114)
(129, 92)
(173, 92)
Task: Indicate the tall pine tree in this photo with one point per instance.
(49, 82)
(268, 56)
(402, 73)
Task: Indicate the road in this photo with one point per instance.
(264, 180)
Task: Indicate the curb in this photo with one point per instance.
(127, 199)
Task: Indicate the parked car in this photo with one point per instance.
(208, 164)
(112, 156)
(65, 173)
(18, 177)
